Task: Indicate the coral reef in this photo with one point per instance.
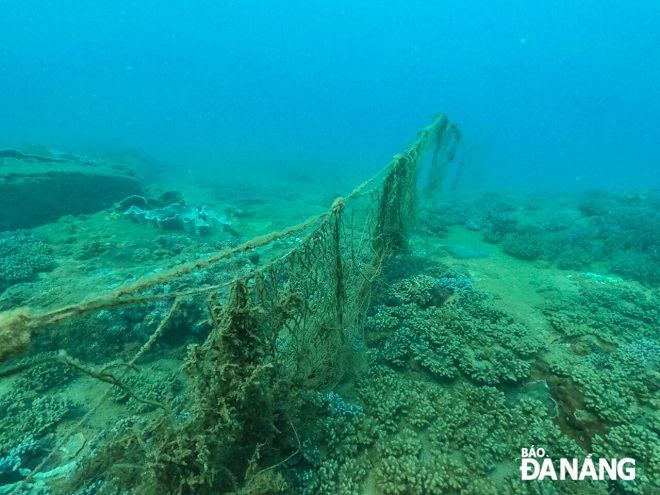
(612, 372)
(419, 290)
(148, 390)
(452, 284)
(137, 323)
(638, 266)
(24, 415)
(464, 335)
(11, 465)
(22, 254)
(525, 245)
(618, 229)
(285, 391)
(421, 437)
(639, 443)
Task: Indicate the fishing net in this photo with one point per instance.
(291, 325)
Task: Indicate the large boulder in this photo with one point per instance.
(38, 189)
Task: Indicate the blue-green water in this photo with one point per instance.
(161, 331)
(548, 94)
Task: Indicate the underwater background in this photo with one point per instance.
(340, 248)
(559, 95)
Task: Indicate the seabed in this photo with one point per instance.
(508, 321)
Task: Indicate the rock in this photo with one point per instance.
(36, 190)
(73, 446)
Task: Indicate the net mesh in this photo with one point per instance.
(289, 326)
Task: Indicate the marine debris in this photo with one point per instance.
(198, 219)
(340, 355)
